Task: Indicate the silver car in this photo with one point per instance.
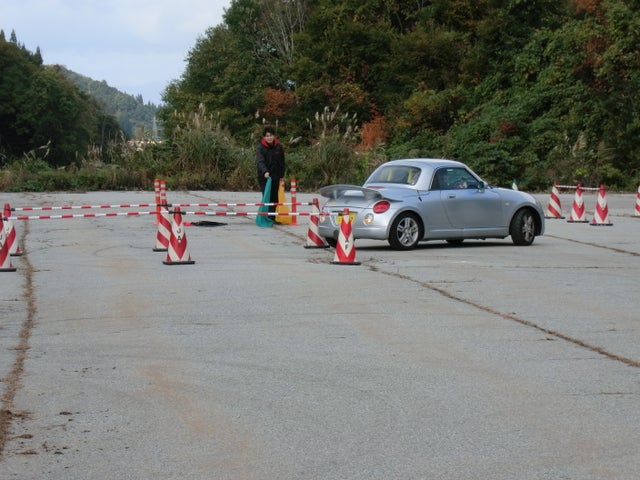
(408, 201)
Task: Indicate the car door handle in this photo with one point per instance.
(452, 195)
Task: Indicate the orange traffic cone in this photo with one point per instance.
(282, 211)
(10, 233)
(601, 216)
(637, 210)
(345, 248)
(553, 209)
(178, 251)
(577, 210)
(314, 240)
(5, 258)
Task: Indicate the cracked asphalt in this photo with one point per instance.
(264, 360)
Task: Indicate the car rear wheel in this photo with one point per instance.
(406, 232)
(523, 228)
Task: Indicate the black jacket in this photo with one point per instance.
(270, 158)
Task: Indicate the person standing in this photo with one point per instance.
(270, 163)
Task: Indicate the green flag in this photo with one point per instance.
(264, 220)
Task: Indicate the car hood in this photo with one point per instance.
(514, 195)
(369, 194)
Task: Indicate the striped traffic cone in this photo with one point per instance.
(5, 258)
(178, 251)
(10, 233)
(637, 210)
(345, 248)
(577, 210)
(553, 209)
(601, 216)
(293, 187)
(163, 235)
(314, 240)
(156, 188)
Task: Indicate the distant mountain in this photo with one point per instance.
(136, 118)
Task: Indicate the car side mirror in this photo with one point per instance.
(481, 186)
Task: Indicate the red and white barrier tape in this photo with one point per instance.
(133, 214)
(573, 187)
(247, 214)
(259, 204)
(82, 207)
(80, 215)
(147, 205)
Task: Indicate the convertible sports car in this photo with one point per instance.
(412, 200)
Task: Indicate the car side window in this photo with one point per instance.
(452, 179)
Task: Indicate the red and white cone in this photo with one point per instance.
(156, 188)
(314, 240)
(553, 209)
(163, 234)
(293, 190)
(636, 213)
(5, 258)
(178, 251)
(601, 217)
(578, 214)
(10, 233)
(345, 248)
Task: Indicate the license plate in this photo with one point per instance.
(352, 216)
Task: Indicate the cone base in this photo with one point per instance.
(346, 263)
(17, 254)
(157, 249)
(553, 218)
(10, 269)
(577, 221)
(317, 246)
(601, 224)
(182, 262)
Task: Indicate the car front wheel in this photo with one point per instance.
(523, 228)
(406, 232)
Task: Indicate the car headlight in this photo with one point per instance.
(368, 219)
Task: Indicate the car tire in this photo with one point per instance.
(523, 228)
(332, 242)
(406, 232)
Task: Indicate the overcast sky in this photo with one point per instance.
(136, 46)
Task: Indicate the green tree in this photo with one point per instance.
(39, 106)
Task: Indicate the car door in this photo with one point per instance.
(434, 216)
(469, 208)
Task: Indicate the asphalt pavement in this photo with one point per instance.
(265, 360)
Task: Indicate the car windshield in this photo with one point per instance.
(396, 174)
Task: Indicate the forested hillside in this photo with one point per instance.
(42, 113)
(134, 116)
(536, 90)
(528, 89)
